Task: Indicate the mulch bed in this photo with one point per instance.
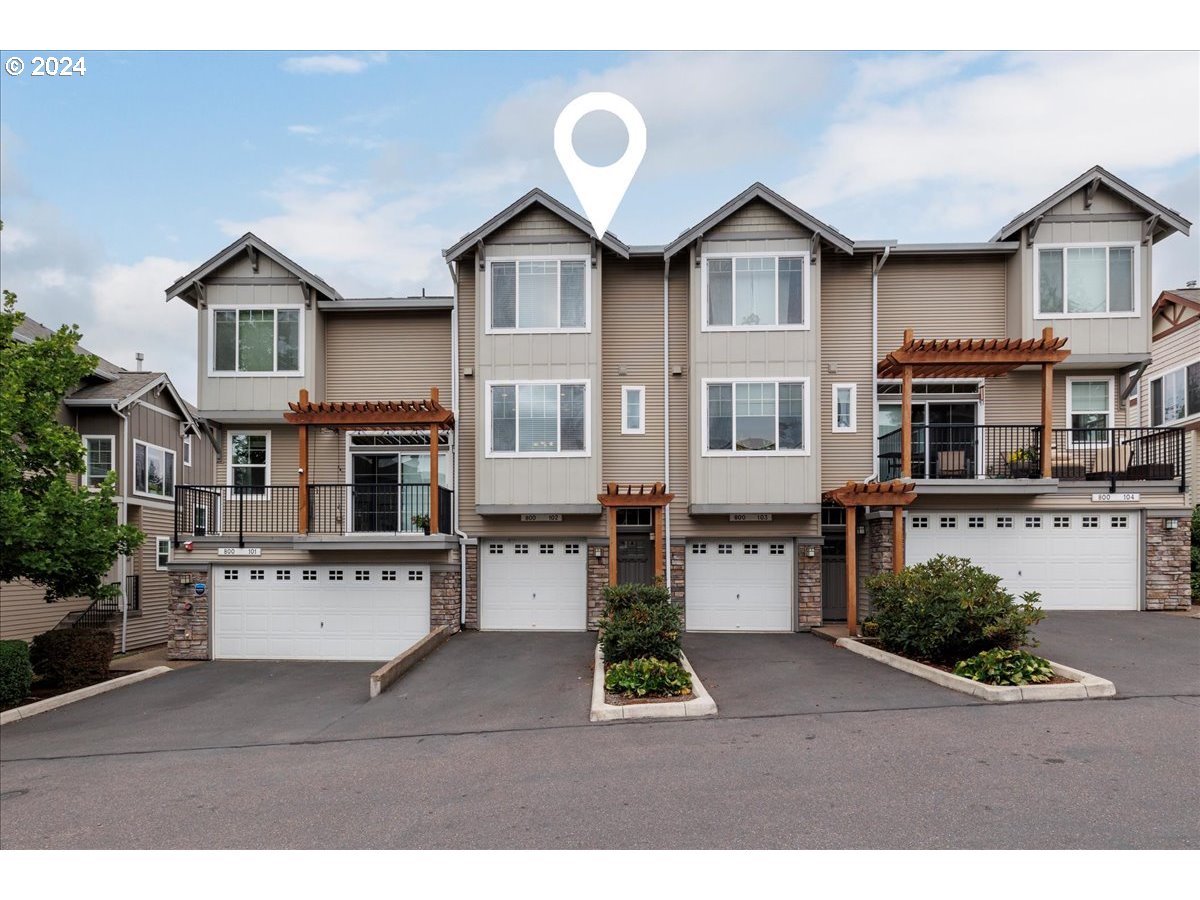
(622, 700)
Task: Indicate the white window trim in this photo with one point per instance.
(516, 329)
(1185, 420)
(133, 470)
(751, 454)
(626, 389)
(853, 426)
(213, 372)
(778, 254)
(112, 454)
(158, 542)
(489, 453)
(1112, 417)
(445, 470)
(187, 450)
(1037, 281)
(229, 465)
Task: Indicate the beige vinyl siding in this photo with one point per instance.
(206, 555)
(25, 613)
(149, 626)
(846, 359)
(1077, 497)
(1176, 350)
(940, 297)
(387, 356)
(632, 343)
(1016, 398)
(758, 216)
(467, 436)
(284, 453)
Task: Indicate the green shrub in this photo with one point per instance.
(16, 675)
(622, 596)
(653, 677)
(948, 609)
(72, 658)
(1001, 666)
(642, 630)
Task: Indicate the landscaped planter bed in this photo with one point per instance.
(696, 705)
(1070, 684)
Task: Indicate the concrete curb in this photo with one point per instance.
(699, 706)
(41, 706)
(1086, 687)
(387, 674)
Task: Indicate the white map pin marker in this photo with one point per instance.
(600, 188)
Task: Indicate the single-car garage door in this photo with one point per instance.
(333, 612)
(1075, 560)
(739, 585)
(539, 584)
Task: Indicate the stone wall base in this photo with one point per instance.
(188, 615)
(472, 621)
(597, 581)
(808, 587)
(445, 598)
(1168, 564)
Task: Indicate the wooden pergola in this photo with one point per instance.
(367, 415)
(972, 358)
(618, 496)
(894, 494)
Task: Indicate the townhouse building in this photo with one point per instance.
(581, 412)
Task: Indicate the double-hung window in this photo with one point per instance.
(755, 291)
(1175, 395)
(845, 414)
(1087, 280)
(249, 341)
(756, 417)
(538, 294)
(99, 458)
(633, 409)
(250, 462)
(539, 418)
(153, 470)
(1090, 409)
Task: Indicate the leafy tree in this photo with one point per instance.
(60, 536)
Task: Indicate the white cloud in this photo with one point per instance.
(332, 63)
(303, 129)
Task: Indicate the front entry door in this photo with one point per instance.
(635, 559)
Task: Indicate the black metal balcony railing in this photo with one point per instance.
(202, 510)
(1014, 451)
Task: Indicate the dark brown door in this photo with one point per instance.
(635, 559)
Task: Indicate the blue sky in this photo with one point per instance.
(362, 167)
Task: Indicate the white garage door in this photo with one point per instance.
(739, 585)
(533, 583)
(1076, 560)
(338, 612)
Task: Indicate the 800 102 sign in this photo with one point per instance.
(57, 65)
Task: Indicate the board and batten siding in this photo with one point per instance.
(940, 297)
(756, 217)
(632, 352)
(846, 359)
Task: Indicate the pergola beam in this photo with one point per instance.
(626, 496)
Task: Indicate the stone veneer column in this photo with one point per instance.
(874, 557)
(472, 551)
(679, 576)
(1168, 563)
(188, 616)
(597, 581)
(445, 597)
(808, 587)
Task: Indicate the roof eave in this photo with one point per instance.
(223, 256)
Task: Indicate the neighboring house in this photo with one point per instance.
(621, 412)
(136, 423)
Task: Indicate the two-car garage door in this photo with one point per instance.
(331, 612)
(1075, 559)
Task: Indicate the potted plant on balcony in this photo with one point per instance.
(1022, 463)
(421, 521)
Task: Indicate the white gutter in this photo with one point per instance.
(666, 421)
(122, 519)
(876, 264)
(463, 537)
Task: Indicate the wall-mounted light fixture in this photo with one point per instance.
(810, 551)
(468, 371)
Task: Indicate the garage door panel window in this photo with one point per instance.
(539, 419)
(756, 417)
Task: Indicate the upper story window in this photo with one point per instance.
(539, 418)
(538, 294)
(153, 470)
(1087, 280)
(1090, 409)
(755, 291)
(633, 409)
(259, 341)
(756, 417)
(187, 450)
(250, 461)
(1175, 395)
(99, 458)
(845, 414)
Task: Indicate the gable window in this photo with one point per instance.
(1087, 280)
(538, 294)
(153, 470)
(538, 419)
(99, 458)
(259, 341)
(1175, 395)
(1090, 409)
(845, 414)
(249, 461)
(756, 417)
(633, 409)
(755, 291)
(187, 450)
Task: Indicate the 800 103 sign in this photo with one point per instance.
(57, 65)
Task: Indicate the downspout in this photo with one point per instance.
(122, 519)
(876, 264)
(463, 537)
(666, 421)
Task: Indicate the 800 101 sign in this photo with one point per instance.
(57, 65)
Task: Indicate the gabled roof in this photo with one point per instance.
(536, 197)
(759, 191)
(127, 388)
(254, 242)
(1168, 219)
(1188, 298)
(30, 330)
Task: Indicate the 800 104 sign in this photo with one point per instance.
(57, 65)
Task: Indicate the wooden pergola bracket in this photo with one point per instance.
(617, 496)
